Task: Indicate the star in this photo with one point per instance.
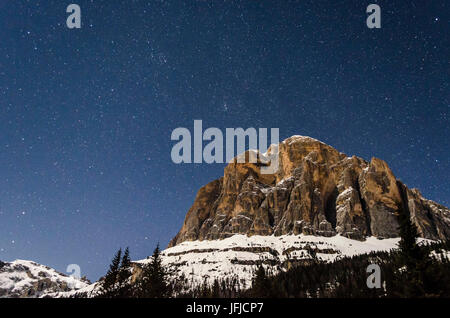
(87, 115)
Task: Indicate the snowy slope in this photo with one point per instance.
(28, 279)
(235, 257)
(239, 255)
(88, 291)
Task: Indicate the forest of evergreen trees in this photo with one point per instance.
(411, 271)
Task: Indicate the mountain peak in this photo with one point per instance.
(317, 190)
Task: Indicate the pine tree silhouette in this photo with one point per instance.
(109, 283)
(413, 259)
(124, 274)
(261, 284)
(154, 281)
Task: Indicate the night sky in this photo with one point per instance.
(86, 115)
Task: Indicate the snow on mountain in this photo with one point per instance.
(87, 291)
(198, 261)
(316, 190)
(239, 255)
(22, 278)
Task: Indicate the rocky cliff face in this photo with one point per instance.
(316, 191)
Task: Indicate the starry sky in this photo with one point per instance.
(86, 114)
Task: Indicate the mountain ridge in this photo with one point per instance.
(317, 190)
(28, 279)
(321, 205)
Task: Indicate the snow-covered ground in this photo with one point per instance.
(239, 255)
(22, 278)
(199, 261)
(87, 291)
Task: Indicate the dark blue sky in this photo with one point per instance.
(86, 115)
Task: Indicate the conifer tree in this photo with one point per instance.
(124, 275)
(124, 271)
(261, 284)
(215, 289)
(126, 261)
(413, 259)
(109, 283)
(154, 282)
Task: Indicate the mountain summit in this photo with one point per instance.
(320, 206)
(317, 190)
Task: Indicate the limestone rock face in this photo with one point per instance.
(317, 191)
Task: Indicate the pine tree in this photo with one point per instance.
(109, 283)
(215, 289)
(412, 258)
(154, 281)
(261, 284)
(126, 261)
(124, 275)
(124, 271)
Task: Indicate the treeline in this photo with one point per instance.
(414, 270)
(151, 281)
(411, 271)
(347, 278)
(427, 276)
